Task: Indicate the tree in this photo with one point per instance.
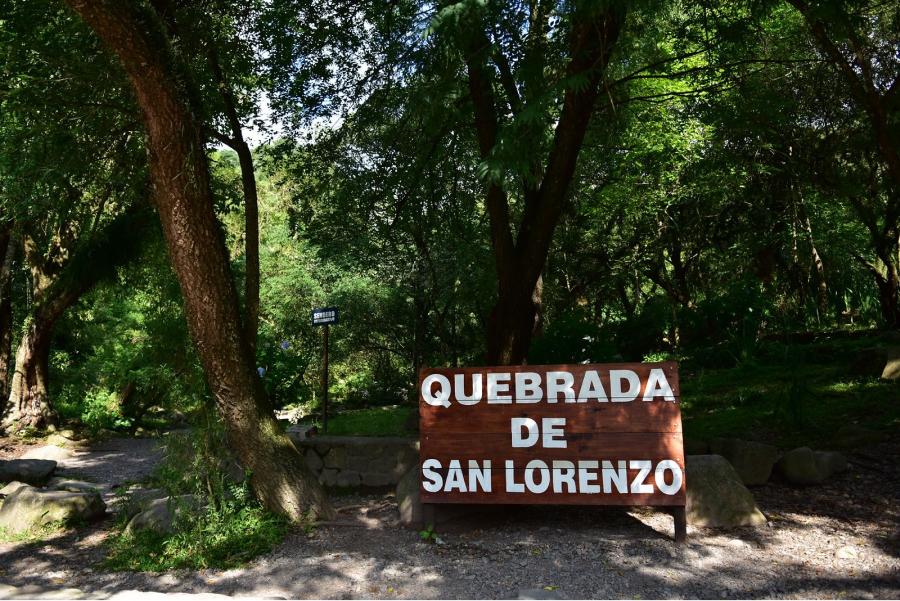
(857, 43)
(59, 279)
(590, 33)
(180, 175)
(68, 212)
(7, 256)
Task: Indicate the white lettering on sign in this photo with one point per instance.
(324, 315)
(561, 477)
(558, 386)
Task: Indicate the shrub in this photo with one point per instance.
(230, 529)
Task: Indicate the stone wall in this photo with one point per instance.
(359, 461)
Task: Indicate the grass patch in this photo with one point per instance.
(796, 398)
(33, 534)
(223, 537)
(377, 421)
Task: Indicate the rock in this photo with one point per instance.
(799, 466)
(61, 439)
(408, 502)
(72, 485)
(847, 552)
(804, 466)
(869, 362)
(139, 498)
(852, 436)
(831, 463)
(30, 471)
(376, 479)
(12, 487)
(300, 431)
(753, 461)
(313, 460)
(30, 507)
(348, 479)
(539, 593)
(336, 457)
(234, 472)
(716, 497)
(160, 514)
(49, 452)
(891, 369)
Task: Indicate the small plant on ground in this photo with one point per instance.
(38, 533)
(428, 535)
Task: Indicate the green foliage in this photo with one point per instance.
(428, 535)
(33, 535)
(130, 332)
(225, 536)
(232, 527)
(786, 401)
(378, 421)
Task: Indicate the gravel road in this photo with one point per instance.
(837, 540)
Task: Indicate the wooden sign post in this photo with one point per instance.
(325, 317)
(553, 434)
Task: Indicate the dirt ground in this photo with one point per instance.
(839, 540)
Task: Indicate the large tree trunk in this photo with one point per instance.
(28, 406)
(180, 176)
(7, 250)
(888, 282)
(520, 261)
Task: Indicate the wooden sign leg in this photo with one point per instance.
(680, 518)
(428, 511)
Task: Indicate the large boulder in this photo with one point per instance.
(803, 466)
(138, 499)
(753, 461)
(12, 487)
(49, 452)
(852, 436)
(160, 515)
(29, 508)
(30, 471)
(716, 497)
(891, 369)
(70, 485)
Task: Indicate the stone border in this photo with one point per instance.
(351, 462)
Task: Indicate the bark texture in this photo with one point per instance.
(237, 143)
(520, 259)
(28, 406)
(180, 176)
(7, 252)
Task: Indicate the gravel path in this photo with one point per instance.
(837, 540)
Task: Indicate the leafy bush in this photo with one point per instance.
(222, 535)
(230, 529)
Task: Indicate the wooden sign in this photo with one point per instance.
(553, 434)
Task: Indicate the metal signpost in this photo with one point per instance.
(325, 317)
(553, 434)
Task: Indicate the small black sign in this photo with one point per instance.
(324, 316)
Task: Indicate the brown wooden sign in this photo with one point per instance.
(553, 434)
